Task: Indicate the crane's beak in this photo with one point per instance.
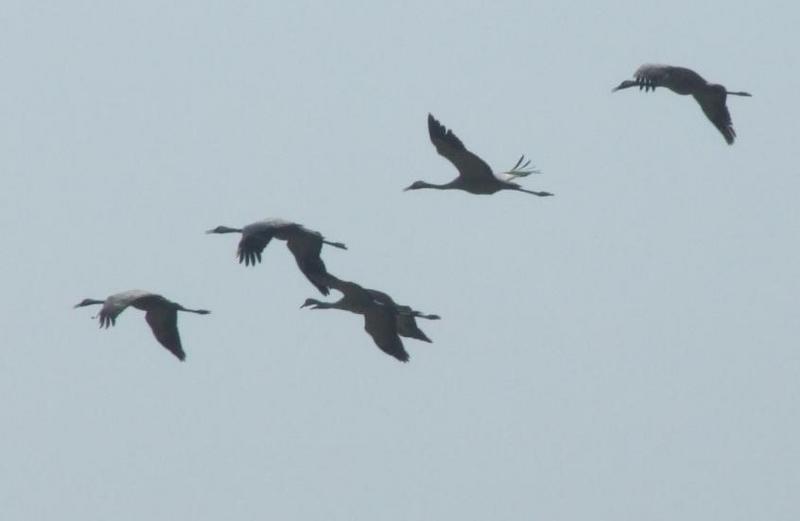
(624, 85)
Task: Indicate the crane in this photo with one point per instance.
(474, 175)
(384, 320)
(304, 244)
(161, 315)
(681, 80)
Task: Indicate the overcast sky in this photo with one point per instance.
(625, 350)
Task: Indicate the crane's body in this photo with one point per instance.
(710, 96)
(305, 245)
(161, 315)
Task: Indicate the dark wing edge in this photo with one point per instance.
(442, 137)
(716, 111)
(451, 148)
(251, 247)
(306, 250)
(164, 324)
(380, 324)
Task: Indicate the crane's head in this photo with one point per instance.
(416, 185)
(311, 302)
(624, 85)
(224, 229)
(87, 302)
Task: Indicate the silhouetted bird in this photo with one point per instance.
(161, 315)
(384, 320)
(681, 80)
(474, 175)
(304, 244)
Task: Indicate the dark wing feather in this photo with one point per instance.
(379, 322)
(451, 148)
(117, 303)
(677, 79)
(164, 323)
(404, 316)
(407, 326)
(251, 246)
(306, 248)
(713, 105)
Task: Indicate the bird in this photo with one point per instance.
(161, 315)
(304, 244)
(474, 175)
(384, 320)
(681, 80)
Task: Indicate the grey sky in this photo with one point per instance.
(625, 350)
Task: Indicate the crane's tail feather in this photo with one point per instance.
(521, 169)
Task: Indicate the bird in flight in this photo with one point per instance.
(161, 315)
(474, 175)
(304, 244)
(681, 80)
(384, 320)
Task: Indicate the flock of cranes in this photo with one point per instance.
(384, 319)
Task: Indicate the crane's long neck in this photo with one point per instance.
(445, 186)
(318, 304)
(89, 302)
(455, 183)
(225, 229)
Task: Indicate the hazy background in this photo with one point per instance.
(626, 350)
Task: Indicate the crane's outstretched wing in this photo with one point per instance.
(713, 105)
(117, 303)
(306, 248)
(379, 322)
(164, 323)
(110, 311)
(678, 79)
(251, 246)
(451, 148)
